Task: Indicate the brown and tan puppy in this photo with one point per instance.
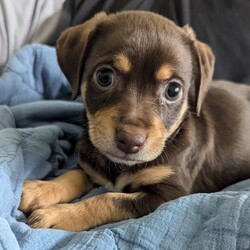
(158, 127)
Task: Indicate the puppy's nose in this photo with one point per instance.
(129, 143)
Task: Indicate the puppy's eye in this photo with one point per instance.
(173, 91)
(105, 77)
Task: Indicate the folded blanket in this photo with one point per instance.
(39, 127)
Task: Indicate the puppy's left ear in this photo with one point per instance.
(206, 60)
(71, 47)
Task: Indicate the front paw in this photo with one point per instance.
(59, 216)
(39, 194)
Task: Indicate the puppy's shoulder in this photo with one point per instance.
(228, 106)
(225, 95)
(227, 89)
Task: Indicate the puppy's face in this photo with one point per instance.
(138, 69)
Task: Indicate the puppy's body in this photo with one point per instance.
(208, 153)
(156, 128)
(226, 160)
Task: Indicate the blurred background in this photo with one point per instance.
(223, 24)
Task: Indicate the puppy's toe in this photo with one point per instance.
(42, 218)
(58, 216)
(39, 194)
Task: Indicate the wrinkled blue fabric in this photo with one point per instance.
(39, 126)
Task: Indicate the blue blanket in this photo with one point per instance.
(39, 126)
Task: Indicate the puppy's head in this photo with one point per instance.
(135, 71)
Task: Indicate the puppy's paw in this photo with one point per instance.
(59, 216)
(39, 194)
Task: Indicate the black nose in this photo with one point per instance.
(129, 143)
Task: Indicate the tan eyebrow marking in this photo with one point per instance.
(122, 63)
(164, 72)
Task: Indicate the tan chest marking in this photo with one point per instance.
(94, 175)
(144, 177)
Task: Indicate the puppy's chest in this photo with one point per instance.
(129, 181)
(118, 184)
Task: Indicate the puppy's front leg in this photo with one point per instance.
(95, 211)
(39, 194)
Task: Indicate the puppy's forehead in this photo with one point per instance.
(142, 42)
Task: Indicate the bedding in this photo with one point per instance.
(39, 127)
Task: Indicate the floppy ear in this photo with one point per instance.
(70, 49)
(206, 60)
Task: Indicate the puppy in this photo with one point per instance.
(157, 127)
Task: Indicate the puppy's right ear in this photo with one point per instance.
(70, 49)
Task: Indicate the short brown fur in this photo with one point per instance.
(139, 142)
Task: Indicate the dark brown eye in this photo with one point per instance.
(173, 91)
(105, 77)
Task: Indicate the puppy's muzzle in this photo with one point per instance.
(130, 142)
